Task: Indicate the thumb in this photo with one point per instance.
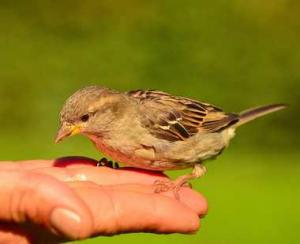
(40, 199)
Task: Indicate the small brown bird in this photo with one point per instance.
(153, 129)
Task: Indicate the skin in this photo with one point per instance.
(50, 201)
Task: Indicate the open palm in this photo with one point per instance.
(70, 198)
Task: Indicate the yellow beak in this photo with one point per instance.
(67, 130)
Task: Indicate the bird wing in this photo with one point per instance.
(175, 118)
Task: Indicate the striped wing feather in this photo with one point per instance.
(175, 118)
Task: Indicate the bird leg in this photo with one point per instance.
(107, 163)
(166, 185)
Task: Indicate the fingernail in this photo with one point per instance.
(65, 221)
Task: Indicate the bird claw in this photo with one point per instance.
(163, 186)
(166, 185)
(107, 163)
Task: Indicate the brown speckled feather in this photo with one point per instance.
(175, 118)
(153, 129)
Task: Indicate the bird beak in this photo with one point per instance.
(67, 130)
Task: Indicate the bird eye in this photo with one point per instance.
(84, 118)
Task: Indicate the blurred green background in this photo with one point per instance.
(234, 54)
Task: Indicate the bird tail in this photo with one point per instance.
(253, 113)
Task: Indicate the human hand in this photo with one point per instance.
(66, 199)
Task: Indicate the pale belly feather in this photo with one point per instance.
(179, 155)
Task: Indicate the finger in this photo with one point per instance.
(73, 161)
(104, 175)
(84, 168)
(128, 180)
(133, 179)
(188, 197)
(119, 211)
(43, 200)
(137, 179)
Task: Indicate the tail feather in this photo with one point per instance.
(253, 113)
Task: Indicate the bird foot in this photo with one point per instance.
(163, 186)
(167, 185)
(107, 163)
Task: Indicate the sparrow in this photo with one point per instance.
(153, 130)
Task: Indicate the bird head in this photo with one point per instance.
(88, 111)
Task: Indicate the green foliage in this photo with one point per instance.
(234, 54)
